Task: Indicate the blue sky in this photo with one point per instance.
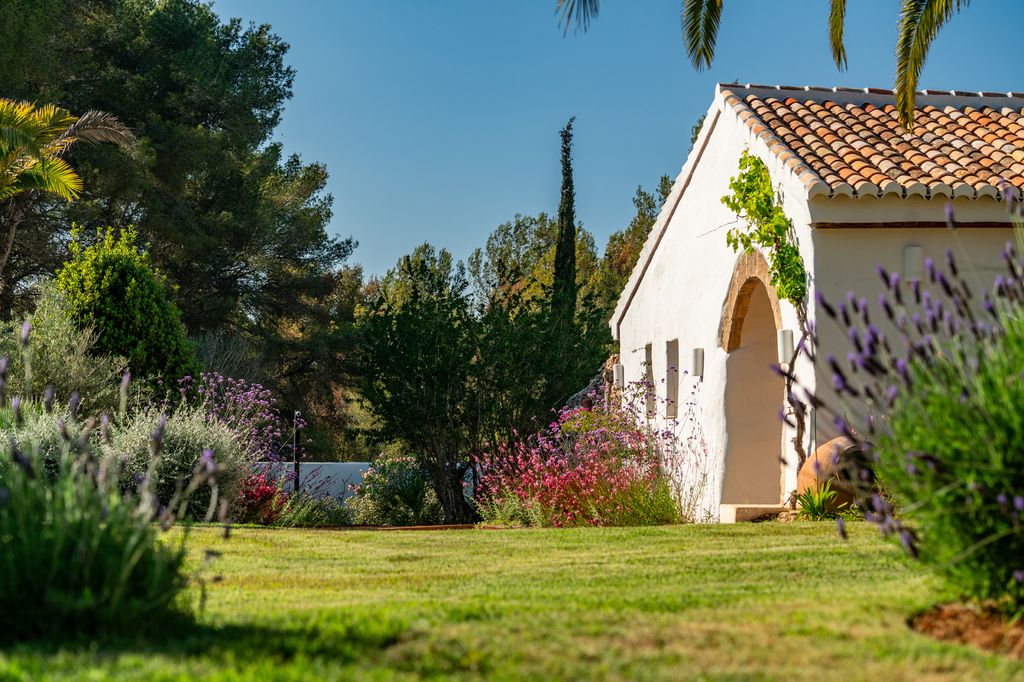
(438, 120)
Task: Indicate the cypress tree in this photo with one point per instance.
(563, 290)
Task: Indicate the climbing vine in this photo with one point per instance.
(765, 227)
(757, 204)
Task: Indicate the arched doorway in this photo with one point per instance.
(754, 394)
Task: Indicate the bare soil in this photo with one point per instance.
(983, 627)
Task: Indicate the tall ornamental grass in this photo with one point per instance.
(935, 397)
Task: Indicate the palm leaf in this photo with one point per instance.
(50, 120)
(579, 11)
(700, 30)
(836, 23)
(15, 114)
(919, 25)
(100, 127)
(52, 175)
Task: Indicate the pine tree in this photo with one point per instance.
(563, 293)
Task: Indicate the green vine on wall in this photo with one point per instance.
(766, 227)
(755, 202)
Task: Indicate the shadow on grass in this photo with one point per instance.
(335, 636)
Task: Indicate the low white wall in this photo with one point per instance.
(319, 478)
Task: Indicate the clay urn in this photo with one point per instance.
(830, 462)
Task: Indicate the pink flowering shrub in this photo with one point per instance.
(596, 466)
(264, 502)
(261, 501)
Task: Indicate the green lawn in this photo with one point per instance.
(746, 602)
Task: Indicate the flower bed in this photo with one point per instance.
(589, 467)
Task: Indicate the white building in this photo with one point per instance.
(861, 193)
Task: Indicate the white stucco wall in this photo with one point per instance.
(848, 260)
(684, 284)
(334, 479)
(681, 282)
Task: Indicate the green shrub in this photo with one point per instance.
(395, 491)
(48, 432)
(112, 286)
(187, 433)
(955, 457)
(62, 356)
(77, 556)
(507, 509)
(649, 503)
(312, 511)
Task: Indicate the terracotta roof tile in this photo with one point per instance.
(849, 141)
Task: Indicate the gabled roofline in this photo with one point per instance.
(785, 165)
(668, 210)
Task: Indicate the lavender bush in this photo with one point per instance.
(77, 555)
(935, 403)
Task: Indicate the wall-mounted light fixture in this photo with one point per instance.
(619, 376)
(785, 346)
(697, 366)
(913, 263)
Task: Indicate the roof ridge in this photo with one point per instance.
(927, 92)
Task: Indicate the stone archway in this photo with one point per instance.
(754, 394)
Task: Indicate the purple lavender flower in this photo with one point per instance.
(26, 330)
(825, 305)
(105, 428)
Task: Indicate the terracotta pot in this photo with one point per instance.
(830, 462)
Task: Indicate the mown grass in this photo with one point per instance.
(746, 602)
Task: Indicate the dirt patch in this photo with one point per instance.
(982, 627)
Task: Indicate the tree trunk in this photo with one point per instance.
(14, 217)
(448, 483)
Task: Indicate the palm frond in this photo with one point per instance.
(836, 24)
(51, 120)
(52, 175)
(700, 30)
(919, 25)
(15, 114)
(100, 127)
(34, 140)
(580, 12)
(19, 138)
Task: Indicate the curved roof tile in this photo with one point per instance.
(848, 141)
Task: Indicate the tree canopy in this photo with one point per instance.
(238, 226)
